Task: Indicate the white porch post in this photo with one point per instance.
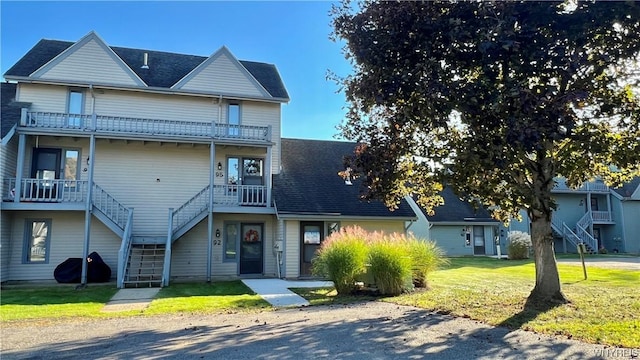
(22, 148)
(88, 210)
(212, 154)
(268, 175)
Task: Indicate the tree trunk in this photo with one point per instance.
(547, 290)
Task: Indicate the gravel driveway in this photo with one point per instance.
(373, 330)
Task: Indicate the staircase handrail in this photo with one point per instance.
(586, 238)
(125, 248)
(110, 207)
(586, 220)
(166, 269)
(190, 209)
(557, 223)
(569, 235)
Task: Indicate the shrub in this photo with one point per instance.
(390, 265)
(393, 263)
(341, 258)
(425, 258)
(519, 244)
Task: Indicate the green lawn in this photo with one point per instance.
(604, 309)
(63, 301)
(53, 302)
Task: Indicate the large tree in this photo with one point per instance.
(495, 99)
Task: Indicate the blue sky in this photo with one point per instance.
(292, 35)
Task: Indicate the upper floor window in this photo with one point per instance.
(37, 240)
(75, 107)
(233, 119)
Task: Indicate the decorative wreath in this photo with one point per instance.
(251, 236)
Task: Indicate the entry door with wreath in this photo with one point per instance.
(251, 249)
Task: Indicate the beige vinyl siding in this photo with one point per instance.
(387, 226)
(265, 114)
(8, 160)
(189, 253)
(90, 63)
(292, 248)
(67, 240)
(223, 76)
(5, 244)
(151, 178)
(155, 106)
(45, 98)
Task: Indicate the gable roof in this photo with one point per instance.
(165, 68)
(116, 66)
(9, 115)
(457, 210)
(628, 189)
(309, 183)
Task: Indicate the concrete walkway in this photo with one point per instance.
(277, 293)
(131, 299)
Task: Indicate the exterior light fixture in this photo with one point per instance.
(217, 233)
(219, 166)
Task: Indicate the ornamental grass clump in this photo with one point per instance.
(519, 245)
(341, 258)
(390, 265)
(425, 258)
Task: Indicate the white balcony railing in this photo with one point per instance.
(244, 195)
(595, 186)
(601, 216)
(143, 126)
(42, 190)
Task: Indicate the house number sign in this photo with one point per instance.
(219, 174)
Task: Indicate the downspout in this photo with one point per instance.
(89, 202)
(88, 210)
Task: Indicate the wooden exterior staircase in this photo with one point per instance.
(145, 266)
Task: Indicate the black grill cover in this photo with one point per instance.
(70, 270)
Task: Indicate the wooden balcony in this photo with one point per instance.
(240, 195)
(114, 126)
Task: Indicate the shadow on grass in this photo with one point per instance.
(531, 310)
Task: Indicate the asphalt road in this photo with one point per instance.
(373, 330)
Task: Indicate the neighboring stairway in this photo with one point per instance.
(579, 234)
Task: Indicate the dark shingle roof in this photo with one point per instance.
(457, 210)
(629, 188)
(9, 115)
(165, 69)
(309, 182)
